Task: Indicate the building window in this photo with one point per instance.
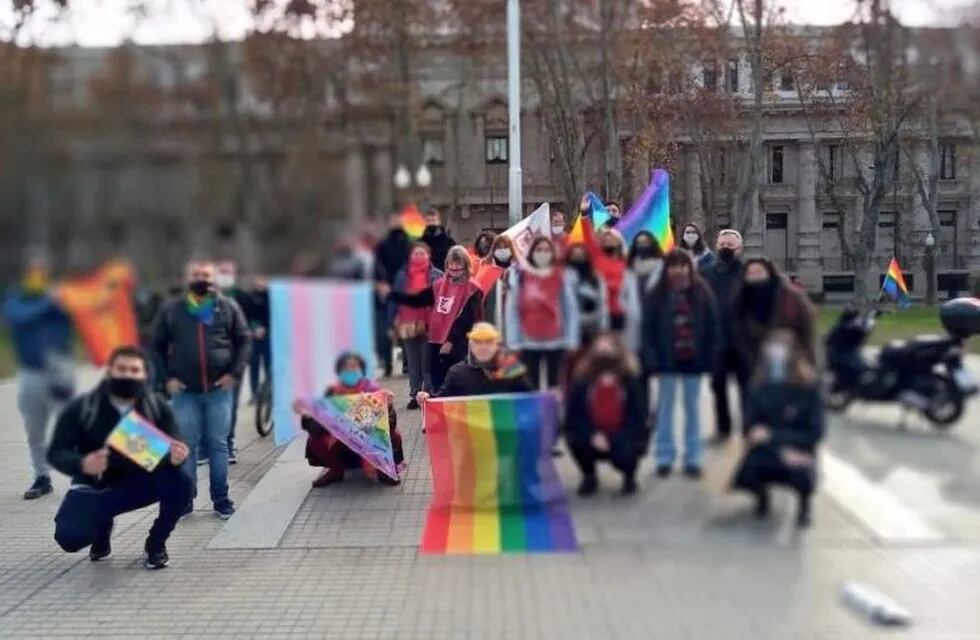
(947, 218)
(433, 151)
(947, 165)
(776, 165)
(497, 149)
(709, 75)
(835, 162)
(831, 220)
(722, 168)
(786, 81)
(733, 75)
(886, 220)
(838, 284)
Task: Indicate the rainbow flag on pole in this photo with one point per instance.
(600, 216)
(651, 212)
(894, 284)
(313, 322)
(496, 489)
(412, 221)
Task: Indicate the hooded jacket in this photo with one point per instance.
(440, 242)
(38, 328)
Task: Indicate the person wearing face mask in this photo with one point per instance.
(723, 277)
(613, 208)
(105, 484)
(591, 294)
(646, 261)
(680, 343)
(766, 300)
(501, 256)
(606, 413)
(785, 422)
(692, 240)
(608, 255)
(488, 369)
(324, 450)
(204, 343)
(456, 305)
(482, 247)
(436, 236)
(412, 323)
(41, 334)
(541, 316)
(559, 235)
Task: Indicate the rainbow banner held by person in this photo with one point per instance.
(894, 284)
(138, 439)
(360, 421)
(496, 489)
(651, 212)
(312, 323)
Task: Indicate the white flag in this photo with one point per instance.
(524, 232)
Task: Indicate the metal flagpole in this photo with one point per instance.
(515, 191)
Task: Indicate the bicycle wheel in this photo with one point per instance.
(263, 409)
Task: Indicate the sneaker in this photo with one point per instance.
(762, 504)
(693, 472)
(663, 471)
(225, 509)
(233, 457)
(101, 549)
(589, 486)
(41, 487)
(412, 405)
(156, 559)
(803, 517)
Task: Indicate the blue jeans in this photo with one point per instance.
(205, 422)
(666, 450)
(258, 364)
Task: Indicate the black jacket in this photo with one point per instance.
(793, 414)
(633, 436)
(440, 242)
(198, 354)
(659, 309)
(391, 255)
(84, 426)
(464, 379)
(724, 279)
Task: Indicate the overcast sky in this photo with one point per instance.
(107, 22)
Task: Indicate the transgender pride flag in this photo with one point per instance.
(313, 322)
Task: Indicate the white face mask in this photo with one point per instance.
(645, 266)
(224, 281)
(557, 229)
(543, 259)
(777, 355)
(690, 238)
(502, 254)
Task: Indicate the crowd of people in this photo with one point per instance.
(617, 328)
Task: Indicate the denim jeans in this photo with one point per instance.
(258, 365)
(86, 514)
(666, 449)
(205, 422)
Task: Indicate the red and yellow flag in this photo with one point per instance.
(101, 304)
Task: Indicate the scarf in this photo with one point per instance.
(202, 310)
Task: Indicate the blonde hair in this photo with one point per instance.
(458, 253)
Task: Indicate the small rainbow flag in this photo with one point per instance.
(138, 439)
(894, 284)
(651, 212)
(496, 489)
(412, 221)
(600, 216)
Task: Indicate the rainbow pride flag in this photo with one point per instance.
(138, 439)
(894, 284)
(651, 212)
(600, 216)
(495, 487)
(313, 322)
(412, 221)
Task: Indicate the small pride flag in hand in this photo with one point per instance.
(894, 284)
(412, 221)
(136, 438)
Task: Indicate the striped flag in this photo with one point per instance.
(651, 213)
(894, 284)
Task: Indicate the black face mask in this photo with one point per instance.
(612, 252)
(761, 296)
(726, 255)
(200, 287)
(434, 229)
(644, 252)
(125, 388)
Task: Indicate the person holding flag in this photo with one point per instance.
(894, 284)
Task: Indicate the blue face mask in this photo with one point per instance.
(350, 378)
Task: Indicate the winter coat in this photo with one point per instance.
(659, 314)
(791, 310)
(440, 242)
(466, 379)
(792, 413)
(633, 435)
(723, 278)
(38, 328)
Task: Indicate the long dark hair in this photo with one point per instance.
(624, 363)
(538, 242)
(657, 251)
(699, 246)
(775, 278)
(676, 257)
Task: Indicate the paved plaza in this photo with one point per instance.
(899, 510)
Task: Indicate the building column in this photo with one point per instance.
(808, 247)
(355, 170)
(692, 190)
(971, 216)
(382, 173)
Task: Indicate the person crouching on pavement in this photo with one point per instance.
(324, 450)
(784, 418)
(488, 369)
(606, 412)
(106, 484)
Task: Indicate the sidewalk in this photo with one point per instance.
(679, 560)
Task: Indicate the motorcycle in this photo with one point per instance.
(925, 373)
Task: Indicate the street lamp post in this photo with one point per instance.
(515, 190)
(929, 264)
(422, 180)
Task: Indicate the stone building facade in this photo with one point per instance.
(158, 189)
